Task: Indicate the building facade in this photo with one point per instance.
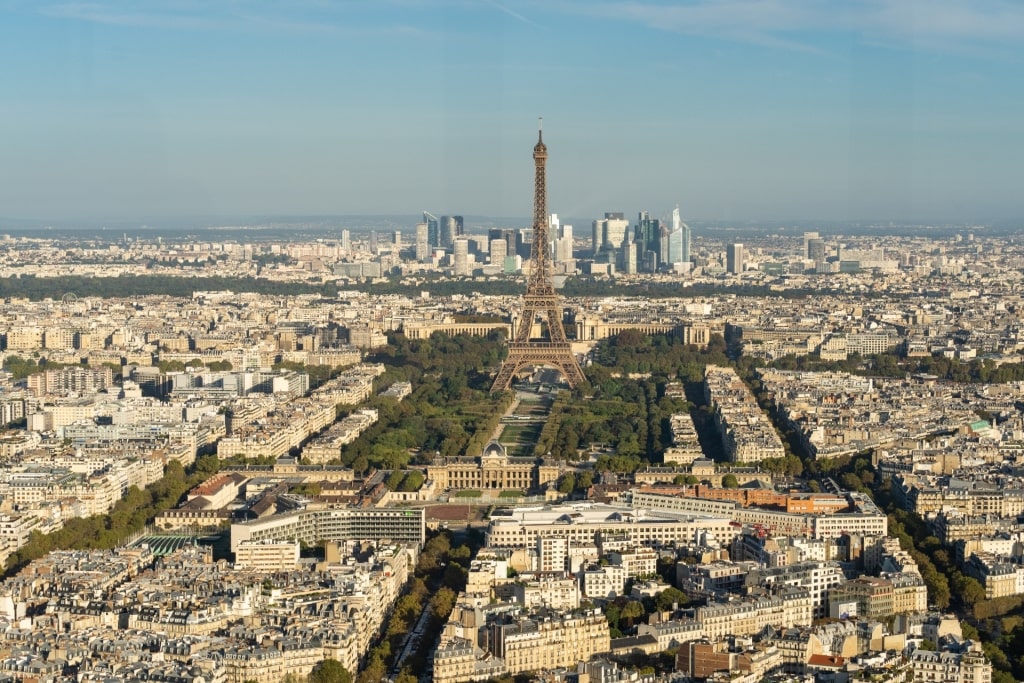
(494, 470)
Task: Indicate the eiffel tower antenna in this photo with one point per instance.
(540, 299)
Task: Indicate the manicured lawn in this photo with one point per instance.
(520, 433)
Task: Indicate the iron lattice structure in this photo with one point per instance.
(540, 299)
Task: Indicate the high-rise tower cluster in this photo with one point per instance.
(649, 246)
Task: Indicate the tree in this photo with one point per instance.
(171, 366)
(394, 479)
(668, 597)
(851, 482)
(612, 614)
(374, 670)
(969, 589)
(729, 481)
(442, 603)
(454, 577)
(412, 481)
(631, 611)
(309, 489)
(462, 554)
(568, 483)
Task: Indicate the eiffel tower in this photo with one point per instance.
(540, 299)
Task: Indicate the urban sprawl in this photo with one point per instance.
(799, 458)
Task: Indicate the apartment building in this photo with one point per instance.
(549, 640)
(793, 607)
(267, 556)
(950, 667)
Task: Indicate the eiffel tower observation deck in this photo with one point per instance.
(540, 300)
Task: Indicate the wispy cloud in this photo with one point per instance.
(789, 23)
(509, 11)
(119, 15)
(949, 19)
(786, 24)
(294, 16)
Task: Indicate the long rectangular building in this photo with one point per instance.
(865, 519)
(587, 522)
(347, 524)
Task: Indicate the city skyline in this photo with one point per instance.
(736, 111)
(279, 460)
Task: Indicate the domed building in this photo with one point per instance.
(493, 470)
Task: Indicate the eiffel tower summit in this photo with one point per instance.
(540, 300)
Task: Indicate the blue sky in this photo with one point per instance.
(736, 110)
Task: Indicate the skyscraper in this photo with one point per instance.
(609, 232)
(433, 230)
(561, 239)
(816, 253)
(451, 229)
(346, 241)
(734, 258)
(461, 257)
(678, 249)
(808, 236)
(554, 228)
(396, 239)
(647, 237)
(524, 242)
(498, 251)
(502, 234)
(629, 252)
(563, 244)
(675, 247)
(422, 242)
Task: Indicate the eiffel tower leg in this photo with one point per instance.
(570, 369)
(504, 379)
(556, 355)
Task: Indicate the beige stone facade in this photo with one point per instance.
(533, 645)
(795, 608)
(267, 556)
(494, 470)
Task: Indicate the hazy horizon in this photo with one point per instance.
(283, 228)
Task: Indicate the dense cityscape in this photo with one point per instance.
(791, 459)
(303, 380)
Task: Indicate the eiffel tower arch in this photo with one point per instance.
(540, 301)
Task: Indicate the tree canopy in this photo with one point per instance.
(330, 671)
